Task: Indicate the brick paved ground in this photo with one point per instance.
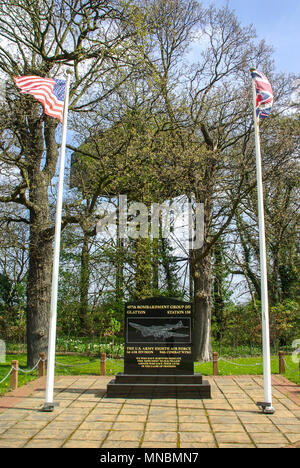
(85, 418)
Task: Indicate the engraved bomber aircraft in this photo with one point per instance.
(160, 331)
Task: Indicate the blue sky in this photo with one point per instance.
(276, 21)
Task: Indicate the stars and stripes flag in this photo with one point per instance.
(264, 94)
(49, 92)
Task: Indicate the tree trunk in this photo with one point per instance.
(84, 286)
(155, 266)
(119, 265)
(167, 265)
(143, 269)
(218, 291)
(41, 231)
(39, 278)
(202, 310)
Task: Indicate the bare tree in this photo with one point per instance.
(210, 116)
(41, 38)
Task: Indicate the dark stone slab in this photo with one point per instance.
(158, 379)
(158, 356)
(159, 391)
(158, 337)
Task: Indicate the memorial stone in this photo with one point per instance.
(158, 355)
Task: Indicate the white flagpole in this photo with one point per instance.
(267, 404)
(49, 401)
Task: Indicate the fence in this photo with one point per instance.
(41, 367)
(281, 361)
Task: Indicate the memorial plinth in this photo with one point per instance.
(158, 354)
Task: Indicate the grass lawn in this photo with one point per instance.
(83, 365)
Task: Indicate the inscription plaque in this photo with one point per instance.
(158, 337)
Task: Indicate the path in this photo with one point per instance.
(85, 418)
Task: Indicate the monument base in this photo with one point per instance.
(159, 386)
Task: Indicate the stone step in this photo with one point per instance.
(159, 390)
(122, 378)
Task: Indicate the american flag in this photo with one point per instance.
(264, 94)
(50, 92)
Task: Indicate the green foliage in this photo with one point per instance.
(12, 315)
(5, 290)
(89, 347)
(285, 322)
(221, 291)
(242, 325)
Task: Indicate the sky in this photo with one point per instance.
(276, 21)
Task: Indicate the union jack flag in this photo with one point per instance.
(264, 94)
(49, 92)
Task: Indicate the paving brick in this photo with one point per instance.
(38, 416)
(166, 418)
(192, 427)
(160, 437)
(18, 433)
(253, 418)
(130, 436)
(96, 425)
(261, 428)
(293, 438)
(269, 438)
(13, 415)
(236, 446)
(232, 437)
(132, 409)
(91, 434)
(199, 445)
(43, 443)
(96, 417)
(198, 437)
(82, 404)
(58, 434)
(168, 427)
(200, 418)
(82, 444)
(128, 426)
(66, 417)
(162, 411)
(290, 428)
(269, 446)
(156, 444)
(12, 443)
(223, 419)
(168, 403)
(140, 418)
(120, 444)
(198, 404)
(228, 428)
(276, 420)
(6, 425)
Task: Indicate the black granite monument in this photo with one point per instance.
(158, 355)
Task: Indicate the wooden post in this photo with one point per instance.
(42, 365)
(102, 364)
(215, 364)
(281, 363)
(14, 375)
